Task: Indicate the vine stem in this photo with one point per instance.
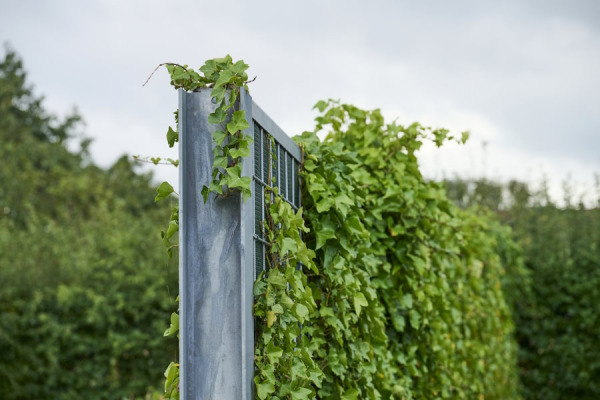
(160, 65)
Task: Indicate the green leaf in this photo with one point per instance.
(301, 394)
(323, 235)
(224, 78)
(263, 389)
(351, 394)
(271, 318)
(174, 327)
(464, 136)
(324, 204)
(172, 137)
(321, 105)
(273, 352)
(163, 190)
(220, 162)
(241, 152)
(238, 122)
(173, 227)
(218, 116)
(172, 378)
(289, 244)
(301, 312)
(359, 301)
(415, 319)
(239, 67)
(277, 279)
(219, 136)
(205, 192)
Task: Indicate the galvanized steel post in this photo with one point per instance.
(215, 266)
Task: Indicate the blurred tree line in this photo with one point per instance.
(84, 281)
(556, 311)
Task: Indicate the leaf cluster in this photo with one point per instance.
(406, 288)
(284, 349)
(225, 78)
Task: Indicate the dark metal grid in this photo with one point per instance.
(283, 174)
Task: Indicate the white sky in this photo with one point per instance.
(523, 77)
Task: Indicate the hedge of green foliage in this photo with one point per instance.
(557, 318)
(559, 324)
(83, 280)
(404, 299)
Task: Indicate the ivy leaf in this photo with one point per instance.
(415, 319)
(224, 78)
(301, 312)
(173, 227)
(205, 192)
(172, 137)
(241, 152)
(301, 394)
(359, 301)
(273, 352)
(220, 162)
(174, 327)
(164, 190)
(239, 67)
(238, 122)
(218, 94)
(351, 394)
(277, 309)
(288, 244)
(407, 301)
(324, 204)
(218, 116)
(219, 136)
(271, 318)
(172, 378)
(246, 192)
(321, 105)
(277, 279)
(464, 136)
(263, 389)
(323, 235)
(298, 369)
(209, 68)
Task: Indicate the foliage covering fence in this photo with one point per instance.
(400, 294)
(404, 299)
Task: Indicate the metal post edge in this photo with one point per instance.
(247, 264)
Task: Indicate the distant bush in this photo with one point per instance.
(557, 318)
(83, 280)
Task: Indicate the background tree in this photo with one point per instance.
(85, 285)
(557, 320)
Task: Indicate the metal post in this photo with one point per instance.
(215, 267)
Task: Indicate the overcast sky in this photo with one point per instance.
(522, 76)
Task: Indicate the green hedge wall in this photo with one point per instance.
(405, 296)
(558, 323)
(555, 312)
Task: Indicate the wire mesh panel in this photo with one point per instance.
(275, 166)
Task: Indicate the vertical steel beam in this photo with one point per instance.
(215, 267)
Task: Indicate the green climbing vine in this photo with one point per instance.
(379, 287)
(403, 298)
